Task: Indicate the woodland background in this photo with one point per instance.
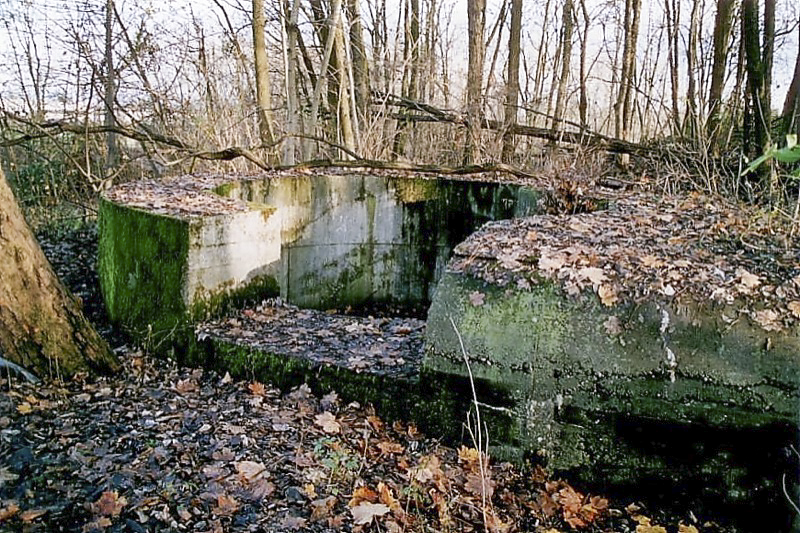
(95, 92)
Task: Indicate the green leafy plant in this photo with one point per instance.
(789, 154)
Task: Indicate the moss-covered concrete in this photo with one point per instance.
(324, 241)
(595, 401)
(142, 265)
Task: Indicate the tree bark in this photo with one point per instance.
(512, 89)
(476, 19)
(567, 23)
(263, 92)
(410, 81)
(624, 108)
(583, 102)
(292, 109)
(756, 109)
(41, 325)
(690, 122)
(672, 9)
(112, 152)
(791, 106)
(722, 36)
(360, 64)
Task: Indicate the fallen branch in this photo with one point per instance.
(428, 113)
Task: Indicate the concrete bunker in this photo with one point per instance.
(682, 371)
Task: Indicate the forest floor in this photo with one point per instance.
(164, 448)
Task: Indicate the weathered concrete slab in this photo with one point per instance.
(177, 250)
(600, 328)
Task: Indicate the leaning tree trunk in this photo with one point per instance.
(722, 37)
(41, 324)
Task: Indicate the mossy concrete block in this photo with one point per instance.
(177, 250)
(557, 355)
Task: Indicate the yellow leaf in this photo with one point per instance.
(24, 408)
(687, 529)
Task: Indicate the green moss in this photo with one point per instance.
(142, 261)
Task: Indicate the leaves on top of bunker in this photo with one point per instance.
(687, 248)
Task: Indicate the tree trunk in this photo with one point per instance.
(567, 23)
(112, 152)
(512, 89)
(690, 122)
(476, 18)
(757, 110)
(263, 95)
(624, 108)
(292, 109)
(672, 8)
(346, 128)
(410, 81)
(722, 36)
(41, 325)
(360, 64)
(791, 106)
(583, 103)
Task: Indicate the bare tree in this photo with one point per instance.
(791, 106)
(623, 105)
(112, 153)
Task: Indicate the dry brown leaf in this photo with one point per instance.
(321, 508)
(184, 386)
(8, 511)
(747, 281)
(249, 471)
(99, 524)
(551, 263)
(387, 497)
(365, 512)
(363, 494)
(768, 319)
(794, 307)
(109, 504)
(24, 408)
(612, 326)
(32, 514)
(478, 485)
(257, 388)
(294, 523)
(226, 505)
(388, 447)
(592, 274)
(687, 529)
(641, 528)
(327, 422)
(607, 294)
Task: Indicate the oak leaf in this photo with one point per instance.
(226, 505)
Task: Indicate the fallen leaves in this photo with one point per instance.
(677, 248)
(110, 503)
(328, 422)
